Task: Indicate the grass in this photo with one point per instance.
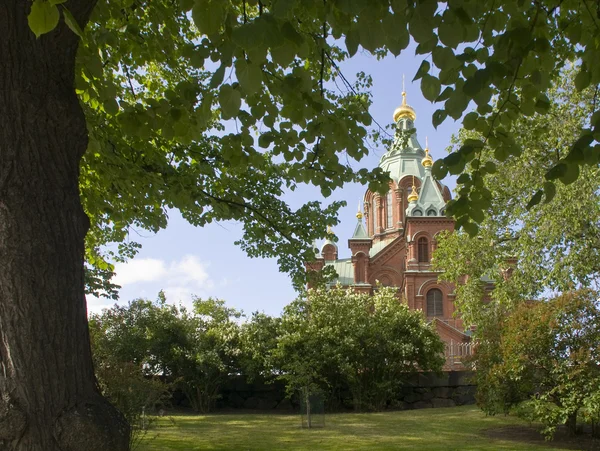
(458, 428)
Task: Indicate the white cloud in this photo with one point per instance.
(140, 270)
(179, 278)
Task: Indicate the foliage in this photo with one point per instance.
(213, 353)
(548, 246)
(149, 60)
(258, 340)
(549, 355)
(368, 343)
(464, 428)
(134, 394)
(120, 346)
(193, 350)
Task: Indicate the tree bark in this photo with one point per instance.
(49, 399)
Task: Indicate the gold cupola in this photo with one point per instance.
(359, 214)
(427, 162)
(404, 110)
(413, 196)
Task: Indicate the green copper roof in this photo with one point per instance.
(377, 247)
(344, 270)
(430, 202)
(400, 160)
(360, 233)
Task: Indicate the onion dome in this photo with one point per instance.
(413, 196)
(404, 110)
(359, 214)
(427, 162)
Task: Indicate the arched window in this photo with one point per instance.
(423, 249)
(435, 303)
(375, 214)
(389, 205)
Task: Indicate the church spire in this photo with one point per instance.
(404, 110)
(427, 162)
(413, 196)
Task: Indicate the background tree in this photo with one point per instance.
(258, 341)
(527, 250)
(550, 356)
(281, 54)
(370, 344)
(213, 354)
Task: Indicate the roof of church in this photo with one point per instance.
(344, 269)
(360, 233)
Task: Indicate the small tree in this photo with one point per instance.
(258, 340)
(370, 344)
(550, 358)
(212, 354)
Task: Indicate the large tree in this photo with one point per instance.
(529, 249)
(156, 79)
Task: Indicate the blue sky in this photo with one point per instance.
(184, 260)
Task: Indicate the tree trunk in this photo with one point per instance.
(571, 424)
(49, 400)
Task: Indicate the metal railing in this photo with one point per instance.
(456, 354)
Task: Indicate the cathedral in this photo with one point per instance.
(395, 238)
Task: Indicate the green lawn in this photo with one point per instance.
(459, 428)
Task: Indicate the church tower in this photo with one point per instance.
(394, 239)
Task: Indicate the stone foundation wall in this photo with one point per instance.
(423, 390)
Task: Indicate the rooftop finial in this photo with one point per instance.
(359, 214)
(329, 229)
(404, 110)
(427, 162)
(413, 196)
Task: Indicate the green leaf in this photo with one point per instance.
(470, 120)
(471, 228)
(449, 35)
(556, 172)
(265, 139)
(283, 55)
(549, 191)
(352, 41)
(430, 86)
(423, 70)
(71, 22)
(490, 167)
(230, 100)
(438, 117)
(209, 15)
(439, 170)
(542, 104)
(582, 80)
(571, 174)
(249, 75)
(536, 199)
(217, 77)
(43, 17)
(477, 214)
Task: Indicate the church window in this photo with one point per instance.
(389, 205)
(435, 303)
(431, 212)
(375, 215)
(423, 249)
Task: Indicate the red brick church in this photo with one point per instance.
(395, 238)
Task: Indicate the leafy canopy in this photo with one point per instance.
(549, 354)
(529, 250)
(336, 338)
(218, 107)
